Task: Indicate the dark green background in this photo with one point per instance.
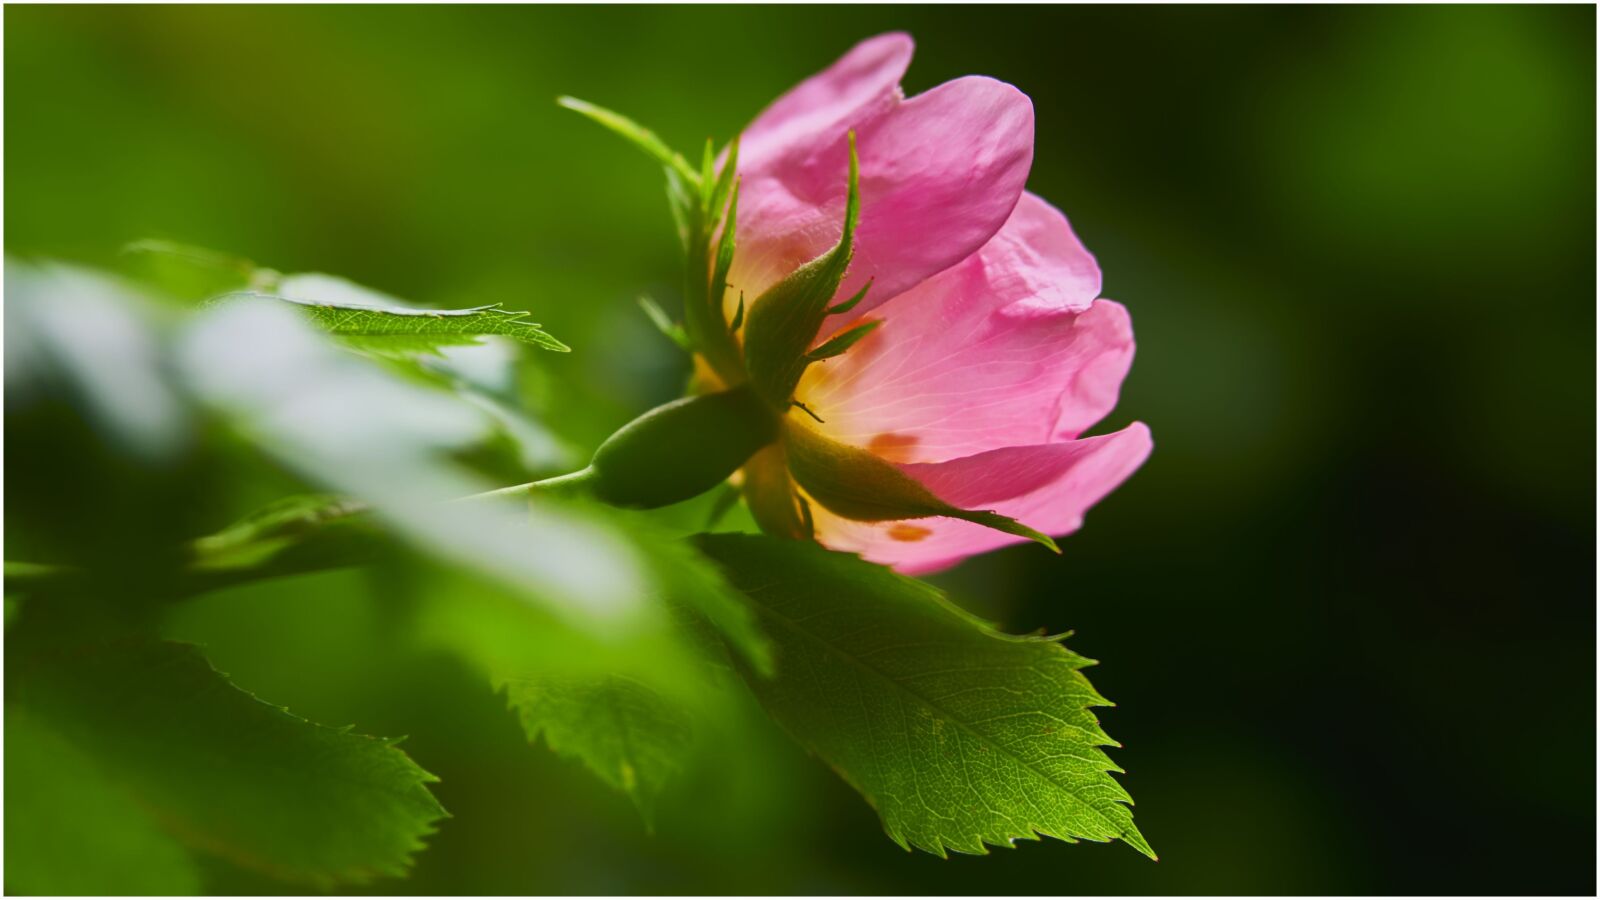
(1347, 608)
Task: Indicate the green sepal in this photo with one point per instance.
(784, 321)
(725, 249)
(681, 449)
(859, 485)
(663, 322)
(738, 315)
(635, 134)
(725, 181)
(708, 183)
(850, 304)
(681, 204)
(843, 341)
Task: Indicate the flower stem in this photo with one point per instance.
(566, 485)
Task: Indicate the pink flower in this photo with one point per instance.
(994, 354)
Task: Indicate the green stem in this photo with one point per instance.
(567, 485)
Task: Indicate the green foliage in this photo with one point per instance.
(383, 430)
(54, 789)
(149, 726)
(958, 735)
(629, 734)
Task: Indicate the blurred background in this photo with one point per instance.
(1347, 609)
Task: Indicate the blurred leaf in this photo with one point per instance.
(306, 533)
(200, 257)
(623, 730)
(687, 579)
(354, 427)
(98, 336)
(216, 768)
(74, 829)
(958, 735)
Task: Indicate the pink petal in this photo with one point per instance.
(1008, 348)
(861, 85)
(1048, 487)
(940, 173)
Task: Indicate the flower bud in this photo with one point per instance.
(681, 449)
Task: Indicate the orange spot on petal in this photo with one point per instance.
(893, 447)
(904, 531)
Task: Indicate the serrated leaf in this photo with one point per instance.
(635, 134)
(405, 330)
(859, 485)
(839, 343)
(225, 773)
(959, 736)
(627, 733)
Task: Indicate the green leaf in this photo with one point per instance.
(843, 341)
(223, 772)
(635, 134)
(303, 533)
(74, 829)
(859, 485)
(403, 330)
(959, 736)
(783, 321)
(623, 730)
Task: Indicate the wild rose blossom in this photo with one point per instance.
(994, 354)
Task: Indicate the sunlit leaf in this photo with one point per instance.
(959, 736)
(394, 328)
